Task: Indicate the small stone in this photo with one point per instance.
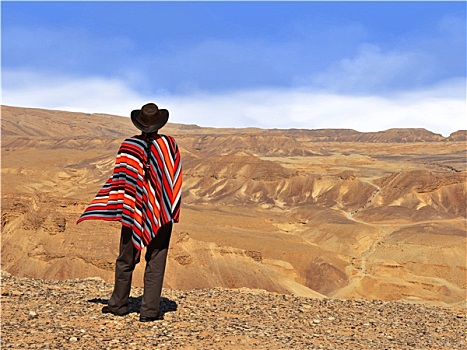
(73, 339)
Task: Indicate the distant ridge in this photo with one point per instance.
(30, 122)
(460, 135)
(391, 135)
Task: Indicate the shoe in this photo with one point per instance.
(106, 310)
(151, 319)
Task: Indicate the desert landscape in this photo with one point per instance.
(289, 239)
(316, 213)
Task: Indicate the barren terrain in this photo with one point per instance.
(314, 213)
(51, 314)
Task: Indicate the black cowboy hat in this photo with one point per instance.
(149, 118)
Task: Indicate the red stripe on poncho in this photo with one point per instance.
(142, 198)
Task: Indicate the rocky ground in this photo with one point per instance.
(50, 314)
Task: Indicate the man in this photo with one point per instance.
(143, 193)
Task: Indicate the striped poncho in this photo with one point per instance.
(144, 194)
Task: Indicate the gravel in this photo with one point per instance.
(51, 314)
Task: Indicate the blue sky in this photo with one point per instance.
(368, 65)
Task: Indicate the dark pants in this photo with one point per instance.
(156, 257)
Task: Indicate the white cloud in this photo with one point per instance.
(374, 69)
(440, 108)
(314, 110)
(90, 95)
